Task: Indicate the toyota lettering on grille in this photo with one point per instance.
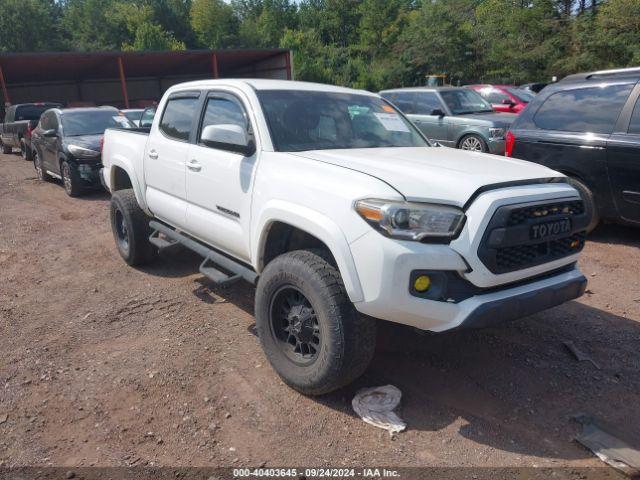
(542, 231)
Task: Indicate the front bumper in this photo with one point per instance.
(89, 172)
(389, 296)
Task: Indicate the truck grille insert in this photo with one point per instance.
(524, 256)
(521, 215)
(512, 241)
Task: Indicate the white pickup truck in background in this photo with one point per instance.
(339, 210)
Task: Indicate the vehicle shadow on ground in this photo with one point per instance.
(514, 387)
(182, 262)
(618, 234)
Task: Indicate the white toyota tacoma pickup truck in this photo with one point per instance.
(339, 210)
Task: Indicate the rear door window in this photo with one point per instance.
(178, 117)
(591, 110)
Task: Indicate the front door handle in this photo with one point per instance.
(153, 154)
(194, 166)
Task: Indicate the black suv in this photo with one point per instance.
(67, 145)
(587, 126)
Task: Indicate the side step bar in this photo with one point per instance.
(215, 265)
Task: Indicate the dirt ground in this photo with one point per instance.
(103, 364)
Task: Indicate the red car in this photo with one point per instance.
(504, 98)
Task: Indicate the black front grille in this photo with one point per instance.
(521, 215)
(524, 256)
(508, 245)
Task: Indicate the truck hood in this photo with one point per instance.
(433, 174)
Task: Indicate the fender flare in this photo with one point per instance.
(137, 189)
(316, 224)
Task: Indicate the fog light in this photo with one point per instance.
(575, 244)
(422, 283)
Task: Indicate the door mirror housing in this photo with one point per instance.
(50, 133)
(437, 112)
(228, 137)
(509, 102)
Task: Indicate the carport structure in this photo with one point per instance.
(127, 79)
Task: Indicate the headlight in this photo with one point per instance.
(82, 152)
(411, 221)
(496, 133)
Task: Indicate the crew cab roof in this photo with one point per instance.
(265, 84)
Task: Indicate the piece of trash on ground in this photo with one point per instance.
(612, 447)
(579, 354)
(376, 407)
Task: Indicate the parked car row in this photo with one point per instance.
(65, 143)
(19, 122)
(586, 126)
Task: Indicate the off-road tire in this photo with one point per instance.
(71, 180)
(25, 151)
(41, 173)
(347, 338)
(477, 140)
(124, 210)
(589, 202)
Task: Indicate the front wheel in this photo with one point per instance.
(5, 149)
(70, 179)
(473, 143)
(310, 332)
(43, 176)
(130, 226)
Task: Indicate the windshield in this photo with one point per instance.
(522, 95)
(464, 101)
(92, 122)
(302, 120)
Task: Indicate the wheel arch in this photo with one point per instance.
(284, 227)
(467, 133)
(119, 177)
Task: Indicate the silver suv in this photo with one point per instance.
(454, 117)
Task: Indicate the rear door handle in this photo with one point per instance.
(153, 154)
(194, 166)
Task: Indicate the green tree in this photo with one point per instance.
(92, 25)
(214, 22)
(263, 22)
(29, 25)
(150, 36)
(517, 44)
(618, 23)
(439, 38)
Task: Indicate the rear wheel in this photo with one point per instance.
(130, 226)
(473, 143)
(589, 202)
(311, 333)
(70, 179)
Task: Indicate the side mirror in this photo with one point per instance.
(437, 112)
(509, 102)
(50, 133)
(228, 137)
